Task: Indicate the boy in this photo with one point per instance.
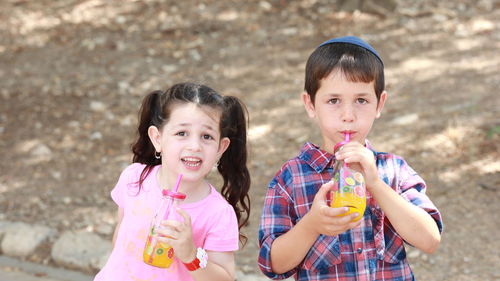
(300, 234)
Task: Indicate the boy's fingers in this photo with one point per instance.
(323, 191)
(333, 212)
(356, 223)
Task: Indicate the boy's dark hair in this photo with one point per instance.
(356, 63)
(155, 111)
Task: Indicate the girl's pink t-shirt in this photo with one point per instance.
(214, 228)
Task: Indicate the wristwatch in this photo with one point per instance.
(200, 261)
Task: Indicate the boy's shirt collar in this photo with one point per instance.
(320, 159)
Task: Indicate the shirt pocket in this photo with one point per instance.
(324, 254)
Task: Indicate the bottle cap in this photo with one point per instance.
(173, 194)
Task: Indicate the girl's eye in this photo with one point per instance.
(333, 101)
(207, 137)
(362, 101)
(181, 134)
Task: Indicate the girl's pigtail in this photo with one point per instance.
(233, 163)
(144, 151)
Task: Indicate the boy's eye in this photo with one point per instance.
(362, 101)
(333, 101)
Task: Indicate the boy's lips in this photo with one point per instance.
(347, 132)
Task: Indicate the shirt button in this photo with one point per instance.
(359, 250)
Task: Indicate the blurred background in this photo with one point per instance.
(73, 74)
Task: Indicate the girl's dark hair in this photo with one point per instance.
(356, 63)
(155, 111)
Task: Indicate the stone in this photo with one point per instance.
(21, 239)
(195, 55)
(81, 250)
(96, 136)
(350, 6)
(105, 229)
(412, 254)
(97, 106)
(41, 150)
(380, 7)
(405, 119)
(266, 6)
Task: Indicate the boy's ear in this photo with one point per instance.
(308, 104)
(381, 103)
(155, 137)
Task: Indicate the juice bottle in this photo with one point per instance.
(157, 253)
(349, 186)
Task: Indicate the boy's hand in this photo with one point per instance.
(178, 234)
(361, 159)
(323, 219)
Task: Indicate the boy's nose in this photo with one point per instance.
(347, 113)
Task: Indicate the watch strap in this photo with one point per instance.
(194, 265)
(200, 261)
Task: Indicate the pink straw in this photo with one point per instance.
(347, 137)
(176, 187)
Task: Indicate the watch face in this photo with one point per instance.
(202, 256)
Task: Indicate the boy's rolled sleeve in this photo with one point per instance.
(275, 221)
(413, 189)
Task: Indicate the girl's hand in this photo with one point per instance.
(178, 234)
(323, 219)
(361, 159)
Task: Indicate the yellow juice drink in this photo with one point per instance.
(157, 253)
(349, 188)
(349, 191)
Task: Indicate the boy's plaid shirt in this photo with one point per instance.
(372, 251)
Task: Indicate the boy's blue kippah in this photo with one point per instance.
(354, 41)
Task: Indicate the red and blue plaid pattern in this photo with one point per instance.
(372, 251)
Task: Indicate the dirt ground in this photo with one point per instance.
(73, 72)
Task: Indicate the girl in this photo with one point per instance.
(185, 130)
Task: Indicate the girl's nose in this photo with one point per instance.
(194, 144)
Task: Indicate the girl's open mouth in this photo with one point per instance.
(191, 161)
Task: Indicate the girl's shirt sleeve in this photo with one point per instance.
(124, 181)
(224, 235)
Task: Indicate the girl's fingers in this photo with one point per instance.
(177, 225)
(166, 240)
(167, 232)
(185, 216)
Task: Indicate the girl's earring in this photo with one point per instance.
(157, 155)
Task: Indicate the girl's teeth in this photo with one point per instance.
(192, 162)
